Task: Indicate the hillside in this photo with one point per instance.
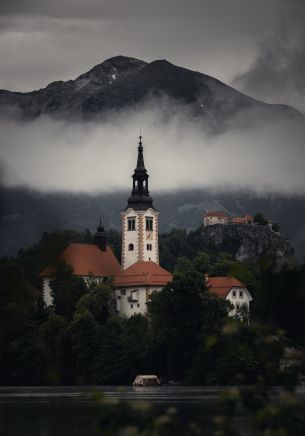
(122, 82)
(246, 243)
(25, 215)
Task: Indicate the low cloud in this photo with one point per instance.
(277, 74)
(100, 157)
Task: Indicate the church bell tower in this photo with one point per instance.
(139, 220)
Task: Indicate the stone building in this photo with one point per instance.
(212, 217)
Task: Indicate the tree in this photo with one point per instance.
(98, 301)
(280, 298)
(223, 265)
(202, 262)
(85, 338)
(60, 364)
(67, 289)
(260, 219)
(45, 252)
(176, 318)
(275, 227)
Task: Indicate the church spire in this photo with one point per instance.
(100, 237)
(140, 162)
(140, 198)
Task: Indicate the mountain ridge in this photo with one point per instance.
(121, 82)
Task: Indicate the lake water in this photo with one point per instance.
(71, 411)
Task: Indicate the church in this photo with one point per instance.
(139, 273)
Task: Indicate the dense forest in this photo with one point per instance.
(185, 338)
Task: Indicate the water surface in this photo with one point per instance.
(71, 411)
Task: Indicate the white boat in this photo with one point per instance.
(146, 380)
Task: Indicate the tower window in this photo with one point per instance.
(149, 224)
(131, 224)
(130, 247)
(149, 247)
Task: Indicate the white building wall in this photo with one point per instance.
(139, 237)
(150, 237)
(46, 292)
(212, 220)
(238, 297)
(133, 300)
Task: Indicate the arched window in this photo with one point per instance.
(130, 247)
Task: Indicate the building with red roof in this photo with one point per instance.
(135, 285)
(232, 290)
(247, 219)
(212, 217)
(87, 260)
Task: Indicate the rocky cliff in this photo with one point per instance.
(246, 242)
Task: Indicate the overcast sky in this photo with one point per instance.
(233, 40)
(258, 46)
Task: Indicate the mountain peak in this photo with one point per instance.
(116, 65)
(121, 82)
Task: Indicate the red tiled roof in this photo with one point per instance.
(86, 259)
(237, 220)
(216, 213)
(143, 274)
(221, 286)
(242, 219)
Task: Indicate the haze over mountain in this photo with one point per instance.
(121, 83)
(206, 145)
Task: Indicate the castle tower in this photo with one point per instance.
(139, 220)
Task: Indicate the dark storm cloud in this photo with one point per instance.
(278, 73)
(43, 41)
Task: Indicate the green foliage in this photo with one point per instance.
(172, 246)
(179, 314)
(98, 301)
(273, 412)
(275, 227)
(66, 290)
(85, 338)
(280, 298)
(33, 259)
(260, 219)
(81, 340)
